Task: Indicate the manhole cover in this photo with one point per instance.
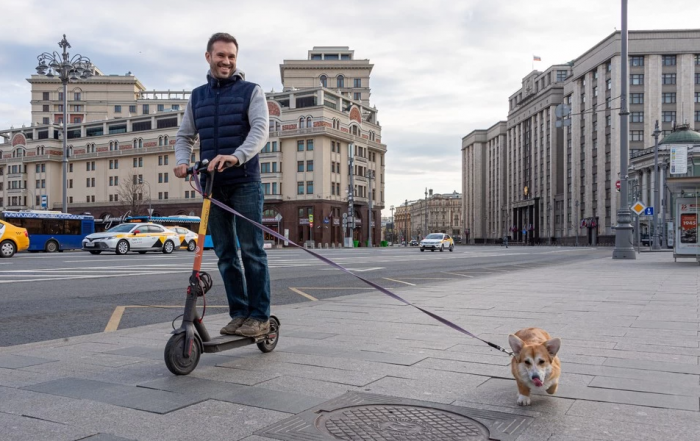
(395, 423)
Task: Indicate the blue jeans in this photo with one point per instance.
(248, 294)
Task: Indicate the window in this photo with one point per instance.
(309, 144)
(132, 109)
(161, 107)
(668, 60)
(357, 96)
(340, 81)
(668, 78)
(637, 79)
(697, 78)
(309, 166)
(76, 96)
(357, 82)
(561, 75)
(636, 135)
(697, 116)
(76, 120)
(160, 178)
(176, 107)
(45, 95)
(637, 117)
(309, 124)
(264, 167)
(45, 120)
(608, 84)
(274, 188)
(309, 187)
(70, 167)
(668, 116)
(144, 109)
(274, 167)
(324, 81)
(300, 187)
(668, 97)
(637, 61)
(117, 109)
(60, 96)
(300, 166)
(637, 98)
(697, 97)
(45, 108)
(300, 146)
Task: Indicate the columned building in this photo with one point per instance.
(561, 171)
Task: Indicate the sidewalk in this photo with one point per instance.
(367, 365)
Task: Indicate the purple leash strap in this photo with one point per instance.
(368, 282)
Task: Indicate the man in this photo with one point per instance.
(230, 115)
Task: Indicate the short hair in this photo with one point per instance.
(221, 36)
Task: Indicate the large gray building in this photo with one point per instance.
(560, 181)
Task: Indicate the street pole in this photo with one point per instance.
(405, 220)
(426, 213)
(351, 196)
(657, 204)
(64, 80)
(578, 222)
(370, 217)
(623, 229)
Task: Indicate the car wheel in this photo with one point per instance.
(168, 247)
(95, 252)
(51, 246)
(191, 246)
(422, 249)
(142, 252)
(433, 250)
(442, 248)
(122, 247)
(7, 248)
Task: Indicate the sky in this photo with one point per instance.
(441, 68)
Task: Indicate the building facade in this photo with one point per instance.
(121, 151)
(561, 171)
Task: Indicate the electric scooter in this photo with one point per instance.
(191, 339)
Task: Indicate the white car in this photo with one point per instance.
(188, 238)
(139, 237)
(437, 241)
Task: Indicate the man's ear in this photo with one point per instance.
(515, 343)
(553, 346)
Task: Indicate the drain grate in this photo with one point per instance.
(368, 417)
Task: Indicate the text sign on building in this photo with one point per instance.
(679, 159)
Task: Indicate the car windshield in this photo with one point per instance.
(121, 228)
(434, 236)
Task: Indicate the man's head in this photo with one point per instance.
(222, 52)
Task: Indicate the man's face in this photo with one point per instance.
(222, 59)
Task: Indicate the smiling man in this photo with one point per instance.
(230, 115)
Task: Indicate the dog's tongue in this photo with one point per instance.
(537, 382)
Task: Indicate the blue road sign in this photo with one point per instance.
(649, 211)
(44, 201)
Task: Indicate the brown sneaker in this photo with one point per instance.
(254, 328)
(232, 326)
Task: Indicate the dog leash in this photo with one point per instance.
(381, 289)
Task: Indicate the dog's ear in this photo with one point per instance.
(515, 343)
(553, 346)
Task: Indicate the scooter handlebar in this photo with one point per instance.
(199, 167)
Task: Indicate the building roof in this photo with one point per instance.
(682, 135)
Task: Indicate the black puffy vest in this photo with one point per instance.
(220, 110)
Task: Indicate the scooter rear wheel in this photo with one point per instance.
(174, 358)
(268, 344)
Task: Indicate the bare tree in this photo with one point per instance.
(134, 194)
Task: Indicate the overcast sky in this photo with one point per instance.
(441, 68)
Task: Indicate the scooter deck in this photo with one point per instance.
(226, 342)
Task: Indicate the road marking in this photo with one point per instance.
(113, 322)
(339, 288)
(457, 274)
(399, 281)
(302, 293)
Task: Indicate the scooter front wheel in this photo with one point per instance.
(270, 341)
(174, 355)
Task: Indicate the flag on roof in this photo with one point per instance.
(536, 58)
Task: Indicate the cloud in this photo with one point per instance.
(441, 68)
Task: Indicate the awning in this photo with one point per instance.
(690, 184)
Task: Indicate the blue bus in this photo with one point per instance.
(52, 231)
(189, 222)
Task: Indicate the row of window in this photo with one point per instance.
(145, 108)
(46, 96)
(666, 60)
(340, 82)
(666, 79)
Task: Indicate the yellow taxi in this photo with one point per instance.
(188, 238)
(139, 237)
(12, 239)
(437, 241)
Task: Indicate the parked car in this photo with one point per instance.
(413, 243)
(12, 239)
(188, 238)
(139, 237)
(437, 241)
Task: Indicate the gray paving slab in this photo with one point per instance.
(681, 368)
(13, 361)
(20, 428)
(660, 386)
(382, 357)
(106, 437)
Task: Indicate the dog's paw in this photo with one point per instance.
(552, 389)
(523, 400)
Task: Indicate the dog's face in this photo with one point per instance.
(534, 362)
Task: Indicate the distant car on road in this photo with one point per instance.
(140, 237)
(437, 241)
(413, 243)
(12, 239)
(188, 238)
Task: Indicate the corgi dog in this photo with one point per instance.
(535, 362)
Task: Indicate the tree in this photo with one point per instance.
(131, 194)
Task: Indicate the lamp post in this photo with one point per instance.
(370, 217)
(623, 229)
(549, 224)
(657, 204)
(405, 220)
(67, 70)
(578, 223)
(150, 210)
(393, 229)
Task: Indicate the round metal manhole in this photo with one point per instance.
(399, 423)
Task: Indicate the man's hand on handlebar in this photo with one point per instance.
(221, 162)
(180, 171)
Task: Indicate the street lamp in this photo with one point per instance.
(655, 244)
(393, 228)
(370, 218)
(67, 70)
(578, 222)
(549, 223)
(150, 210)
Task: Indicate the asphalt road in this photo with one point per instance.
(51, 296)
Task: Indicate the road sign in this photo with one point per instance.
(617, 185)
(638, 207)
(44, 201)
(345, 215)
(649, 211)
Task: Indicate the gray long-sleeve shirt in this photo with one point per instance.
(254, 142)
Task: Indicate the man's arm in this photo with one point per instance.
(259, 128)
(186, 136)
